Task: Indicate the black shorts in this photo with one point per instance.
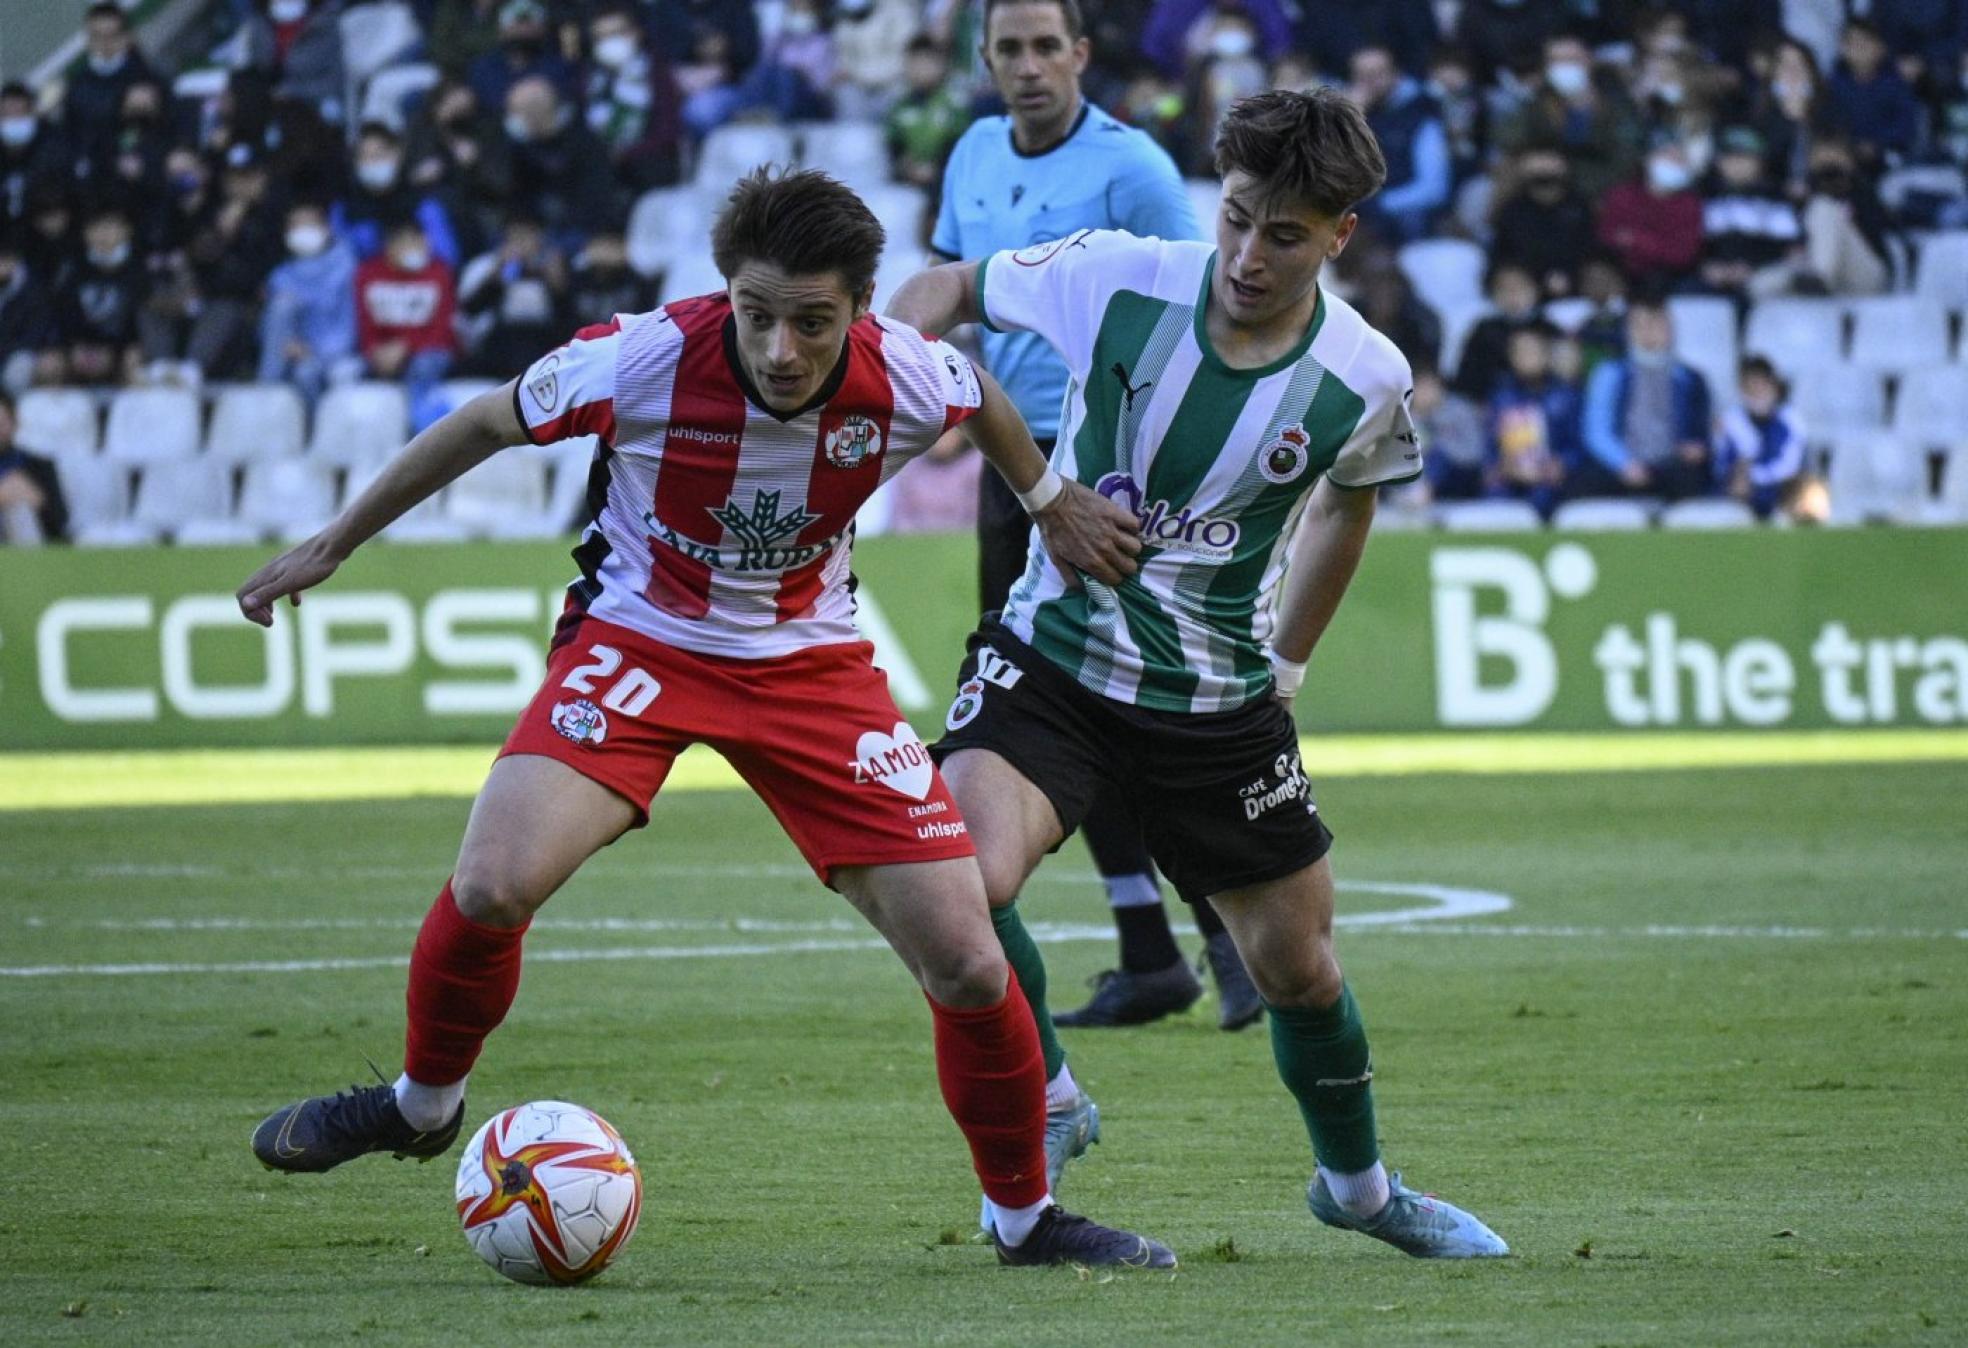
(1222, 797)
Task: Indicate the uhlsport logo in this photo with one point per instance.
(581, 721)
(1165, 527)
(857, 441)
(1286, 456)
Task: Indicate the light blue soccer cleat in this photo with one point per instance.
(1069, 1132)
(1418, 1224)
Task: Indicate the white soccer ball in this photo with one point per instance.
(548, 1193)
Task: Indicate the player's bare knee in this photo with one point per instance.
(1297, 978)
(492, 897)
(966, 979)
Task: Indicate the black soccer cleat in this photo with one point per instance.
(1124, 998)
(1063, 1238)
(1237, 1002)
(320, 1133)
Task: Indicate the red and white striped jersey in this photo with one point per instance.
(719, 526)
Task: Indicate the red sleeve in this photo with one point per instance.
(366, 339)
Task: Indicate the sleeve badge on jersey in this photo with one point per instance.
(544, 384)
(854, 443)
(1038, 254)
(1286, 456)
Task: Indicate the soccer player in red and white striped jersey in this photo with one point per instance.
(738, 434)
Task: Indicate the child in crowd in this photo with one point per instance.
(1534, 423)
(1759, 443)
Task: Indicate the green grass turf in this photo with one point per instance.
(1700, 1109)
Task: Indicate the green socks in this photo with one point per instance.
(1022, 952)
(1322, 1058)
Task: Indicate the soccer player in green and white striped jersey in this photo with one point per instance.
(1244, 416)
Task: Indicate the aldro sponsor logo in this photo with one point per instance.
(1263, 795)
(1163, 526)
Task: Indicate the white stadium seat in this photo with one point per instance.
(1839, 400)
(256, 421)
(691, 275)
(900, 208)
(1205, 195)
(172, 493)
(423, 523)
(504, 497)
(1797, 334)
(391, 90)
(1603, 514)
(1932, 407)
(1894, 333)
(1952, 507)
(360, 423)
(1569, 315)
(854, 152)
(568, 464)
(1942, 273)
(1458, 321)
(1476, 517)
(58, 422)
(216, 533)
(290, 498)
(1875, 477)
(736, 148)
(98, 491)
(1444, 271)
(1707, 512)
(149, 425)
(666, 223)
(457, 392)
(375, 34)
(1705, 337)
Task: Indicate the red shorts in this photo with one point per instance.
(815, 733)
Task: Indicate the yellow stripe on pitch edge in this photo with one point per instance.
(84, 780)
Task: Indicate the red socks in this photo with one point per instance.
(463, 977)
(993, 1078)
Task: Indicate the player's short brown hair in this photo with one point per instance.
(1069, 11)
(802, 221)
(1315, 148)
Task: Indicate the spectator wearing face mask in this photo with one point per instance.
(1646, 418)
(1179, 34)
(1653, 224)
(525, 51)
(633, 105)
(871, 42)
(1749, 229)
(97, 308)
(1792, 112)
(1227, 69)
(1875, 105)
(299, 42)
(111, 63)
(381, 197)
(698, 32)
(1513, 290)
(1465, 116)
(1498, 33)
(1845, 228)
(201, 305)
(31, 153)
(513, 301)
(405, 319)
(1584, 114)
(1759, 443)
(457, 154)
(792, 80)
(134, 171)
(27, 318)
(602, 284)
(307, 330)
(1405, 121)
(1544, 226)
(558, 168)
(929, 117)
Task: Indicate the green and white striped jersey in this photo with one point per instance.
(1216, 462)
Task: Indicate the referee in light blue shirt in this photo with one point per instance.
(1054, 164)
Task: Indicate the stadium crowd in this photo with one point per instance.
(1573, 185)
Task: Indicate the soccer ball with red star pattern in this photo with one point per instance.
(548, 1193)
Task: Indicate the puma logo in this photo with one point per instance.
(1120, 372)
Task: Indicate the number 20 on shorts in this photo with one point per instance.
(632, 692)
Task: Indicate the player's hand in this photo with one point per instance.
(1085, 532)
(299, 568)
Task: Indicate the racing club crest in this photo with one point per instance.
(1285, 457)
(581, 721)
(970, 701)
(854, 443)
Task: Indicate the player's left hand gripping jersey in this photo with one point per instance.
(1216, 462)
(720, 526)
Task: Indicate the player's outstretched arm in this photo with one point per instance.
(1083, 531)
(435, 457)
(939, 299)
(1331, 537)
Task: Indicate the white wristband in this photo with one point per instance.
(1041, 493)
(1287, 674)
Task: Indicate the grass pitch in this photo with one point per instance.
(1705, 1072)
